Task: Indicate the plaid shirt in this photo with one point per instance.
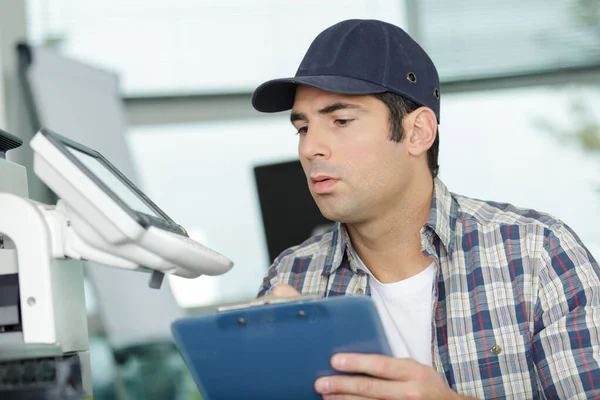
(516, 297)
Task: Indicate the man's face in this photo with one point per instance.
(355, 172)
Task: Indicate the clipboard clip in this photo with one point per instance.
(267, 300)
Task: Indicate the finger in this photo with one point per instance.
(360, 386)
(384, 367)
(283, 290)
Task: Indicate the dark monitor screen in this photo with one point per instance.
(289, 213)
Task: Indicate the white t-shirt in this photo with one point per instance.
(405, 311)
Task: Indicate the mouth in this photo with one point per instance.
(323, 184)
(320, 178)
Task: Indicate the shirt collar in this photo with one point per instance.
(441, 221)
(442, 215)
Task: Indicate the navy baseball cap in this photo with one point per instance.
(358, 57)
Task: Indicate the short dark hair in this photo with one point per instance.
(399, 107)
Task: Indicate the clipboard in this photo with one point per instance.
(274, 348)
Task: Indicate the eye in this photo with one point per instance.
(343, 122)
(302, 130)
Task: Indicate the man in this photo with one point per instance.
(477, 298)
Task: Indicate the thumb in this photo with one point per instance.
(283, 290)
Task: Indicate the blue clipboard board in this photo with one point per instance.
(276, 348)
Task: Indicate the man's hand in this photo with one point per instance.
(283, 290)
(389, 378)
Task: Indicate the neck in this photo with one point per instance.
(390, 245)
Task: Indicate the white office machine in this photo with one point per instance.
(101, 217)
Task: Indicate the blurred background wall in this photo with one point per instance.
(520, 118)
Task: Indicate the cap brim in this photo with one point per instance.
(278, 94)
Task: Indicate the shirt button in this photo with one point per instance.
(360, 291)
(496, 350)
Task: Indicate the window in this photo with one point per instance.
(194, 46)
(469, 39)
(179, 47)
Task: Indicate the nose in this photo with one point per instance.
(314, 143)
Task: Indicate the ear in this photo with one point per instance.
(420, 130)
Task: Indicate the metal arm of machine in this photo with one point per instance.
(101, 217)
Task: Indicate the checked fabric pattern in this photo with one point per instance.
(516, 298)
